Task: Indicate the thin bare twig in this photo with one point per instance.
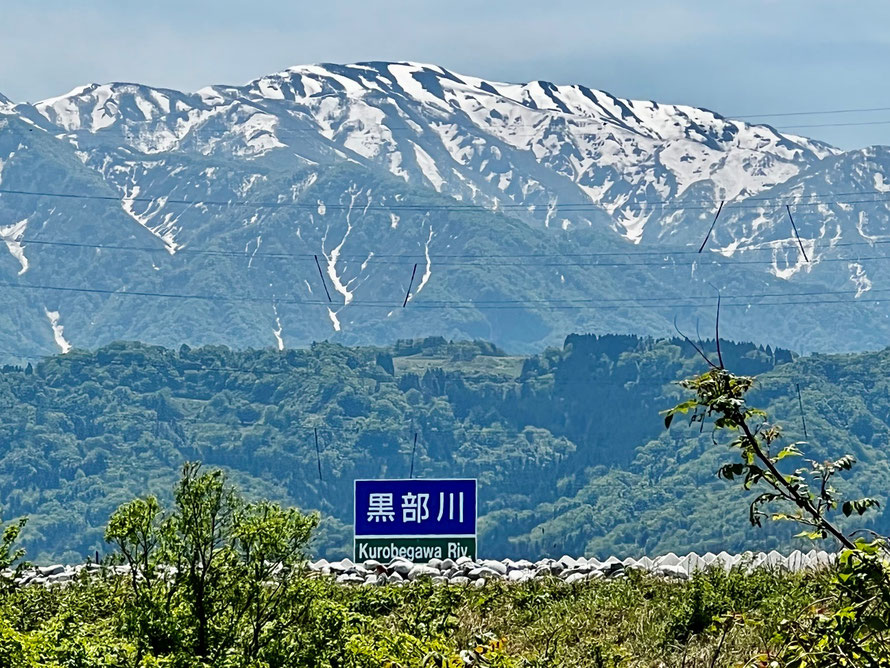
(695, 347)
(717, 328)
(711, 229)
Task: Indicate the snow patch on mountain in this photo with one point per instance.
(64, 110)
(366, 132)
(405, 76)
(787, 259)
(335, 321)
(165, 231)
(334, 255)
(428, 167)
(256, 248)
(12, 235)
(277, 331)
(248, 183)
(428, 270)
(58, 330)
(862, 222)
(859, 278)
(259, 133)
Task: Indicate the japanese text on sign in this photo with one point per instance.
(415, 507)
(415, 519)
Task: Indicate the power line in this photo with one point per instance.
(353, 429)
(812, 199)
(670, 305)
(386, 304)
(709, 260)
(796, 234)
(317, 453)
(803, 418)
(711, 228)
(413, 451)
(810, 113)
(594, 303)
(666, 251)
(596, 300)
(656, 260)
(573, 130)
(321, 276)
(408, 293)
(833, 125)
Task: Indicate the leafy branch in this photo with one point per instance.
(10, 555)
(807, 493)
(854, 631)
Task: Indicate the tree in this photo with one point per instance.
(853, 628)
(11, 562)
(209, 579)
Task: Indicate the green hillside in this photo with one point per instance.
(568, 446)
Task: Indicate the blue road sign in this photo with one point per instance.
(415, 508)
(415, 519)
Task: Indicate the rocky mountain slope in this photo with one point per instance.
(529, 210)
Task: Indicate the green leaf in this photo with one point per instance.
(790, 451)
(730, 471)
(812, 535)
(859, 506)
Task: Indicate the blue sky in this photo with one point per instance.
(734, 56)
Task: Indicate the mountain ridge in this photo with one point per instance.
(371, 168)
(426, 85)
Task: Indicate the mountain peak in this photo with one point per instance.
(347, 164)
(472, 139)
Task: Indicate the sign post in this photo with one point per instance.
(413, 519)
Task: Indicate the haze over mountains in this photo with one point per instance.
(530, 210)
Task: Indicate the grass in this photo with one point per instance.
(479, 365)
(714, 619)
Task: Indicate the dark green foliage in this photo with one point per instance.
(568, 446)
(211, 578)
(851, 626)
(10, 553)
(216, 583)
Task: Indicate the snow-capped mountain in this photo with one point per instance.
(532, 145)
(503, 195)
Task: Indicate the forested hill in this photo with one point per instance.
(568, 446)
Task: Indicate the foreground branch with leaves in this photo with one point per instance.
(215, 581)
(852, 627)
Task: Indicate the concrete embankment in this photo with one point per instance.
(464, 571)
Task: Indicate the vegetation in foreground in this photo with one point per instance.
(239, 597)
(715, 619)
(217, 581)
